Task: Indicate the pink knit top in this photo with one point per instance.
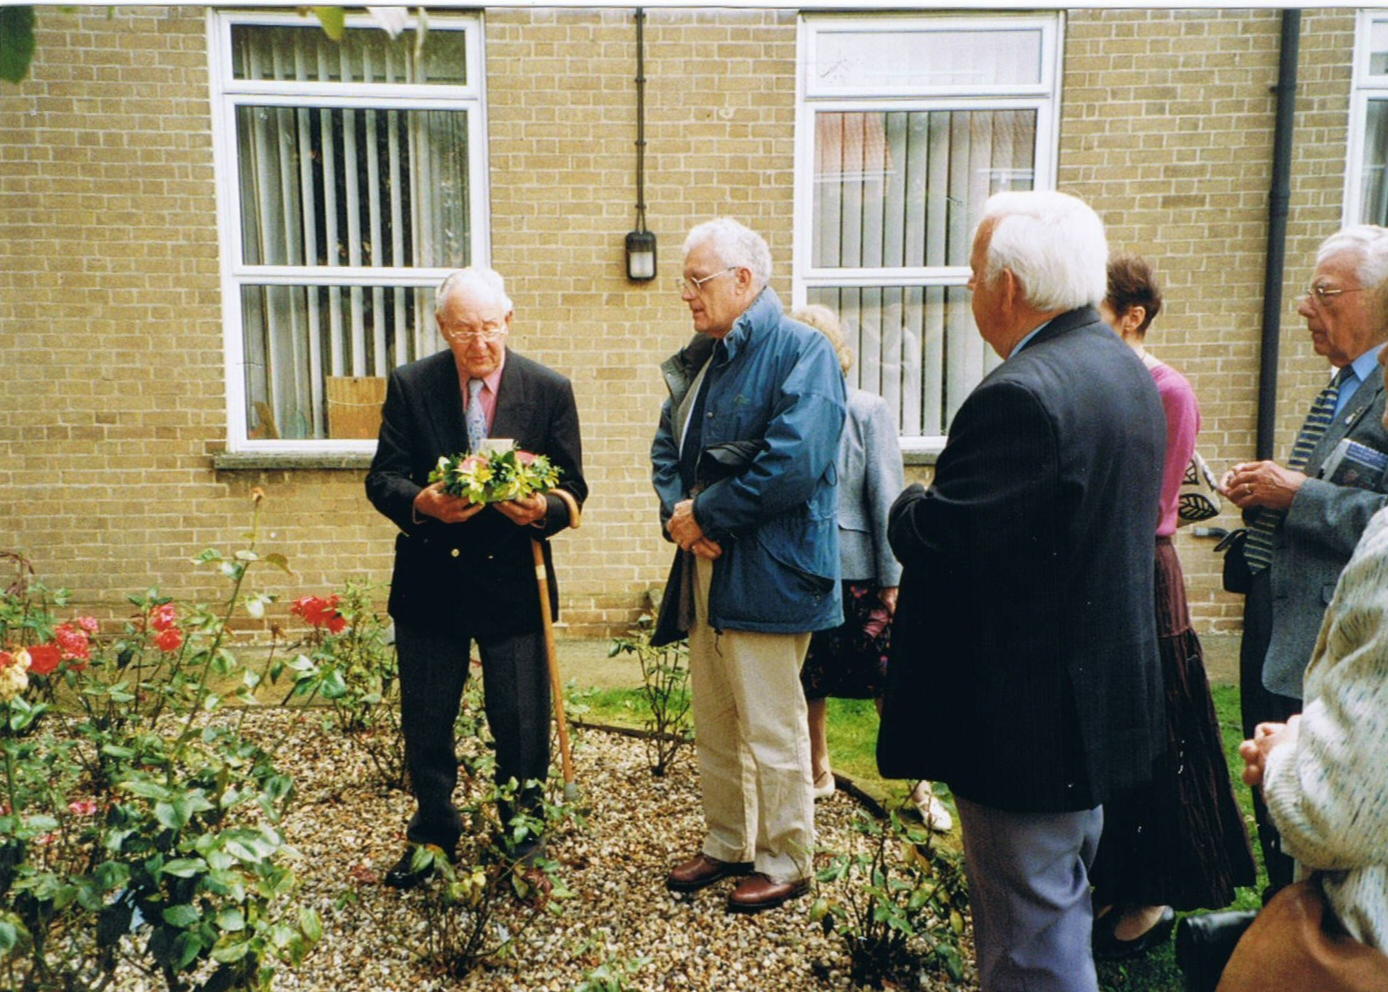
(1182, 425)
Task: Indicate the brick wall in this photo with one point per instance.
(110, 319)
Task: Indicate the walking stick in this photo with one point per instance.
(556, 684)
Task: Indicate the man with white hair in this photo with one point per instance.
(465, 572)
(1304, 518)
(1024, 668)
(744, 464)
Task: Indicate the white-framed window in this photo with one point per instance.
(1366, 177)
(905, 125)
(351, 176)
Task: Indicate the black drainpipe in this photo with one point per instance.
(1278, 197)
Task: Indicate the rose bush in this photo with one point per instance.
(136, 824)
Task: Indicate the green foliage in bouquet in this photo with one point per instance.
(495, 476)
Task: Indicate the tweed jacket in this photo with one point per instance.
(475, 578)
(1024, 667)
(1327, 785)
(870, 478)
(1316, 538)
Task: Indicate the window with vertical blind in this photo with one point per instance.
(1366, 178)
(905, 126)
(351, 178)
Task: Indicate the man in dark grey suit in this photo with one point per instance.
(1305, 518)
(1024, 668)
(465, 572)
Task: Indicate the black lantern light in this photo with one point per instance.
(640, 243)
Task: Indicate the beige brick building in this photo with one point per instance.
(146, 331)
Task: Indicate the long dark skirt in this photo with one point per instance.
(1180, 839)
(850, 661)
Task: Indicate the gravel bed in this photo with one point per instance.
(347, 832)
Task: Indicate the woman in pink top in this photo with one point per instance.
(1179, 841)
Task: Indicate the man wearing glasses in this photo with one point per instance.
(465, 572)
(757, 529)
(1305, 518)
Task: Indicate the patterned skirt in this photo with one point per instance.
(1180, 839)
(850, 661)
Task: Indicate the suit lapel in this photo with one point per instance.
(444, 405)
(1358, 405)
(512, 400)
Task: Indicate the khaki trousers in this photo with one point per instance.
(752, 737)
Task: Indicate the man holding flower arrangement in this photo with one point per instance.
(468, 510)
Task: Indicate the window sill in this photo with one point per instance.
(919, 457)
(239, 461)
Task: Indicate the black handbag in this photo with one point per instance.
(1238, 577)
(1204, 944)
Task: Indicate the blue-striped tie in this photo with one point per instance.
(476, 416)
(1258, 548)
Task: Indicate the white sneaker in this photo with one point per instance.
(933, 812)
(823, 791)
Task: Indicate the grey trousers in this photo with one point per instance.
(1029, 895)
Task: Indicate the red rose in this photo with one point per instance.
(44, 659)
(170, 639)
(73, 641)
(163, 617)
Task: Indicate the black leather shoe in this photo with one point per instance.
(403, 875)
(1107, 946)
(701, 871)
(1204, 944)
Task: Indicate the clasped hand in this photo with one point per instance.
(1254, 753)
(432, 501)
(687, 533)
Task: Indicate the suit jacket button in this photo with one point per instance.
(455, 552)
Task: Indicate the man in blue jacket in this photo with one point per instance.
(766, 393)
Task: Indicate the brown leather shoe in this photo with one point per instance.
(758, 893)
(701, 871)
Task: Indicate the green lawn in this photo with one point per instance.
(852, 741)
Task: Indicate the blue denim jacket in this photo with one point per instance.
(776, 380)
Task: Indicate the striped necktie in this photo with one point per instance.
(476, 416)
(1258, 548)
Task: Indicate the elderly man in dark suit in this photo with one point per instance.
(465, 572)
(1305, 518)
(1024, 668)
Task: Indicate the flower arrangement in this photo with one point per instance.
(493, 476)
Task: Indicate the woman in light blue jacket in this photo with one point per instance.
(850, 661)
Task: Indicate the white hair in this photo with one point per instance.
(1053, 243)
(734, 244)
(1370, 243)
(475, 278)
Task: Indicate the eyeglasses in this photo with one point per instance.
(1321, 295)
(490, 334)
(697, 285)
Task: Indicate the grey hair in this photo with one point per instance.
(1370, 242)
(826, 322)
(735, 244)
(1055, 245)
(487, 282)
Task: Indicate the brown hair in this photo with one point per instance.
(1131, 283)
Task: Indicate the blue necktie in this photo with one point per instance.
(476, 416)
(1258, 548)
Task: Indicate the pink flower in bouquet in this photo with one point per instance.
(163, 617)
(169, 639)
(44, 659)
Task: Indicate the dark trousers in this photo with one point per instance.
(515, 688)
(1261, 706)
